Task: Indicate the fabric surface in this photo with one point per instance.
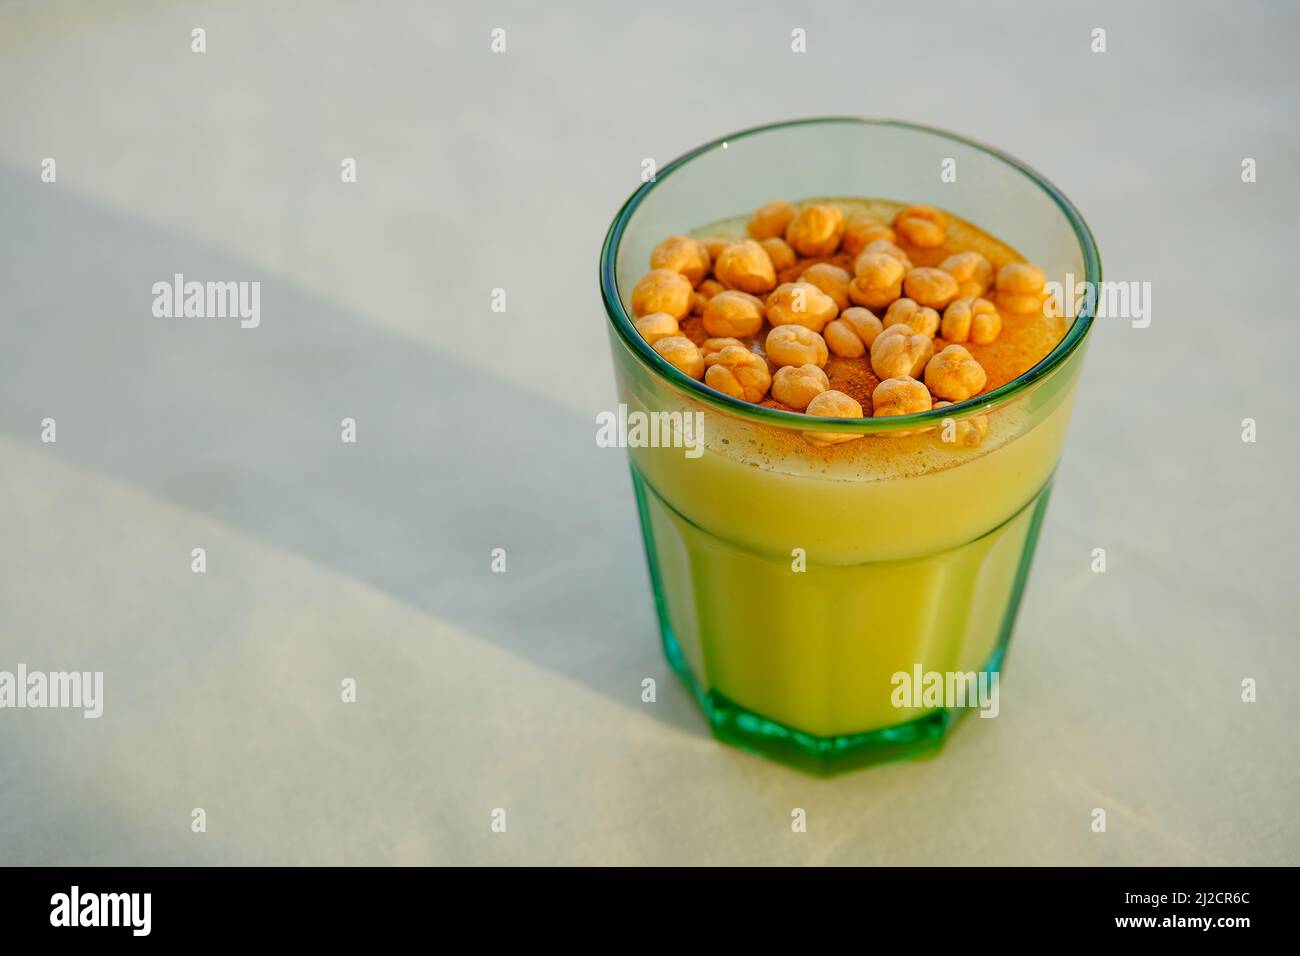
(371, 561)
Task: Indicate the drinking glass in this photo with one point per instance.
(793, 584)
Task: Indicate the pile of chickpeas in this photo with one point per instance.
(886, 310)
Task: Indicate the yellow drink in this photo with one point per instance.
(899, 571)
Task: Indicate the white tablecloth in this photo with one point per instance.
(371, 561)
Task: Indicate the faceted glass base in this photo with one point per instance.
(963, 605)
(822, 756)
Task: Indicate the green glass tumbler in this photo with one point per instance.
(807, 598)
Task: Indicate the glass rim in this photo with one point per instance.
(622, 322)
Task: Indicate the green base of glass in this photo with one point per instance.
(735, 724)
(823, 756)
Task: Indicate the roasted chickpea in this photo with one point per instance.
(797, 385)
(899, 396)
(1023, 277)
(1021, 287)
(923, 320)
(745, 265)
(705, 291)
(878, 280)
(884, 247)
(861, 231)
(715, 245)
(682, 254)
(680, 352)
(932, 288)
(832, 280)
(974, 273)
(968, 432)
(656, 326)
(898, 352)
(922, 226)
(734, 314)
(878, 269)
(971, 320)
(709, 346)
(864, 322)
(954, 374)
(832, 404)
(842, 340)
(779, 251)
(800, 303)
(738, 372)
(795, 345)
(816, 230)
(770, 220)
(662, 290)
